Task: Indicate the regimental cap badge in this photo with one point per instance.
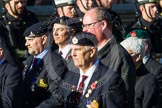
(74, 40)
(133, 34)
(61, 21)
(32, 34)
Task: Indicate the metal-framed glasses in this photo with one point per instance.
(87, 26)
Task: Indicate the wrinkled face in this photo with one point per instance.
(34, 45)
(60, 34)
(15, 7)
(69, 11)
(150, 10)
(80, 55)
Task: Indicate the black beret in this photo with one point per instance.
(74, 23)
(36, 30)
(84, 39)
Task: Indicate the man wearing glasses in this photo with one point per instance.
(97, 21)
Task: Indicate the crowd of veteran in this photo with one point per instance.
(81, 57)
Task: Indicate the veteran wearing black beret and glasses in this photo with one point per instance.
(92, 84)
(42, 68)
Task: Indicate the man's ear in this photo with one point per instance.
(1, 52)
(93, 51)
(59, 11)
(7, 6)
(44, 39)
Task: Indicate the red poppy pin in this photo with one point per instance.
(68, 57)
(133, 34)
(93, 85)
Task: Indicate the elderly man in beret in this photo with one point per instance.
(92, 85)
(150, 63)
(42, 68)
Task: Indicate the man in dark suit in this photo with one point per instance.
(150, 63)
(63, 29)
(98, 22)
(92, 85)
(41, 68)
(10, 82)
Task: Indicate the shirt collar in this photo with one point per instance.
(89, 73)
(145, 59)
(65, 50)
(2, 61)
(42, 54)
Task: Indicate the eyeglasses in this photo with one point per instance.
(87, 26)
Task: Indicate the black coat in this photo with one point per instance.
(41, 80)
(68, 60)
(108, 93)
(115, 57)
(156, 69)
(10, 83)
(17, 27)
(146, 90)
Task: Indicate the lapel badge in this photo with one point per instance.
(42, 83)
(87, 95)
(91, 88)
(68, 57)
(92, 104)
(74, 40)
(94, 85)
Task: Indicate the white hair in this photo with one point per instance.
(134, 44)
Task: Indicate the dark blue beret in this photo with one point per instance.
(74, 23)
(84, 39)
(36, 30)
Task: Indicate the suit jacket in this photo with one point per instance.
(146, 90)
(68, 60)
(109, 92)
(10, 83)
(156, 69)
(41, 80)
(114, 56)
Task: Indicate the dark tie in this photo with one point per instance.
(80, 90)
(60, 52)
(81, 85)
(34, 62)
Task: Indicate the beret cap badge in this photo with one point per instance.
(133, 34)
(74, 40)
(31, 34)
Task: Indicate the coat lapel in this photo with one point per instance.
(93, 83)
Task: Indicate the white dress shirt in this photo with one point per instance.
(89, 73)
(65, 50)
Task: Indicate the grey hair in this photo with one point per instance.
(134, 44)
